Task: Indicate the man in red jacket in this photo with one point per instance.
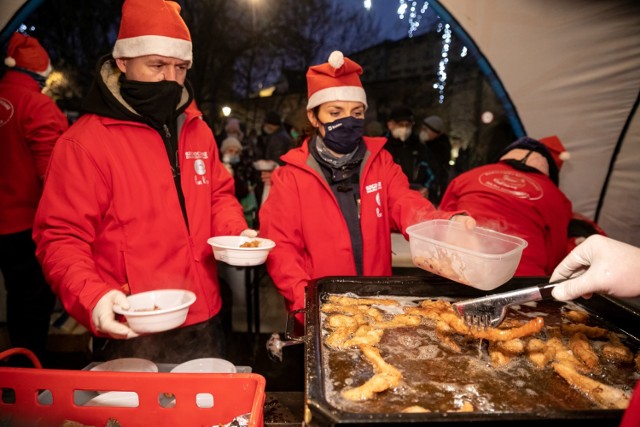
(30, 124)
(134, 190)
(334, 203)
(519, 195)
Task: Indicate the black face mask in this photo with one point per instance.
(156, 101)
(343, 135)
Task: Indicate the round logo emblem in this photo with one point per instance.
(6, 111)
(199, 167)
(515, 183)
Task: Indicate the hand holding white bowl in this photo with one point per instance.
(104, 318)
(249, 233)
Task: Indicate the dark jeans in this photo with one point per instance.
(30, 300)
(206, 339)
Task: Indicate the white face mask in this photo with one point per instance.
(402, 133)
(231, 159)
(424, 136)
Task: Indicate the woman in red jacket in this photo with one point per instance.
(334, 203)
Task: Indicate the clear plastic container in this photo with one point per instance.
(481, 258)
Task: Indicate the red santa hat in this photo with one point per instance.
(557, 150)
(26, 52)
(153, 27)
(336, 80)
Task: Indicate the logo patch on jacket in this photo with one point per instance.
(6, 111)
(377, 186)
(199, 166)
(514, 183)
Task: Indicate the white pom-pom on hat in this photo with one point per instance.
(9, 62)
(565, 155)
(336, 59)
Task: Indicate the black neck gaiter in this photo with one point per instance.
(155, 101)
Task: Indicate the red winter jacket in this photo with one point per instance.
(304, 219)
(523, 204)
(30, 124)
(110, 214)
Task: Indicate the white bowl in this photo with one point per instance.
(227, 249)
(127, 364)
(206, 365)
(481, 258)
(124, 399)
(157, 311)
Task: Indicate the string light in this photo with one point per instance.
(410, 8)
(444, 59)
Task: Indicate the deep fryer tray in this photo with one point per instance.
(613, 314)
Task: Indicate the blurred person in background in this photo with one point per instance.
(374, 128)
(335, 202)
(30, 124)
(402, 144)
(277, 142)
(244, 175)
(133, 191)
(519, 195)
(438, 146)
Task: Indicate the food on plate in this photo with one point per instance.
(251, 244)
(154, 308)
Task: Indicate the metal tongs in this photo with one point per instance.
(489, 311)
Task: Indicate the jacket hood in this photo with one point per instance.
(104, 96)
(298, 156)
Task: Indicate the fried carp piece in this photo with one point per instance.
(353, 310)
(501, 352)
(531, 327)
(540, 354)
(399, 321)
(590, 331)
(603, 395)
(615, 351)
(342, 300)
(337, 338)
(442, 310)
(431, 309)
(415, 409)
(385, 376)
(576, 316)
(581, 348)
(444, 332)
(335, 321)
(466, 407)
(364, 335)
(564, 355)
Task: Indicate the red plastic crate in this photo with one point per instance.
(233, 395)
